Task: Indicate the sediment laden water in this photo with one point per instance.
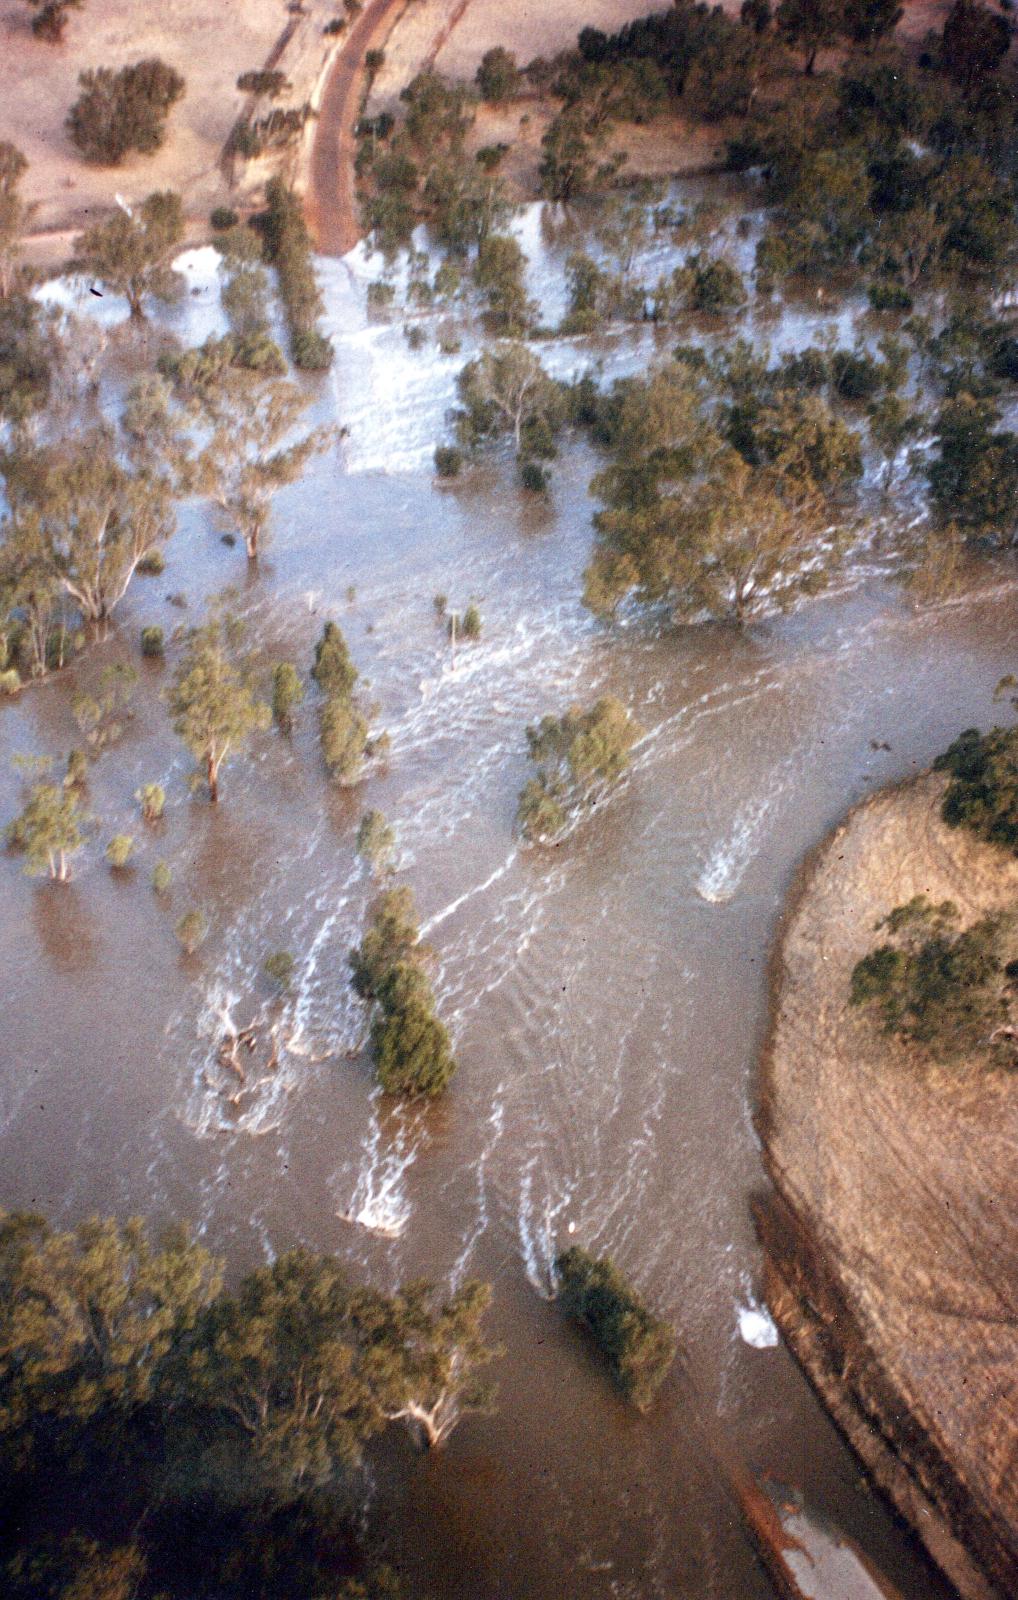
(606, 997)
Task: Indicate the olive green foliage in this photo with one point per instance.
(192, 929)
(287, 693)
(448, 461)
(498, 77)
(942, 988)
(507, 391)
(343, 729)
(409, 1045)
(638, 1347)
(288, 248)
(280, 967)
(213, 700)
(724, 490)
(153, 643)
(162, 878)
(983, 792)
(25, 354)
(471, 625)
(132, 254)
(973, 477)
(498, 274)
(416, 169)
(271, 82)
(14, 215)
(77, 1568)
(87, 1317)
(49, 830)
(117, 112)
(579, 757)
(119, 850)
(376, 842)
(151, 797)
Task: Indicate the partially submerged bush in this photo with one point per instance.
(118, 851)
(280, 967)
(376, 841)
(152, 799)
(192, 930)
(579, 756)
(410, 1046)
(162, 878)
(287, 694)
(152, 642)
(638, 1346)
(448, 461)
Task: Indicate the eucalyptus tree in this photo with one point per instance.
(131, 252)
(213, 698)
(48, 831)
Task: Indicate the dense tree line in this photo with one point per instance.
(131, 1381)
(410, 1046)
(638, 1346)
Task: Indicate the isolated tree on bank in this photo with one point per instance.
(132, 254)
(121, 111)
(13, 214)
(212, 701)
(48, 831)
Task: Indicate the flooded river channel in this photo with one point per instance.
(606, 997)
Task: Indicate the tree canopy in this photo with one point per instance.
(213, 701)
(579, 757)
(131, 252)
(117, 112)
(638, 1347)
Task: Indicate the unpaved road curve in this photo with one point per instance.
(331, 205)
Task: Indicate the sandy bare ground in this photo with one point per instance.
(901, 1175)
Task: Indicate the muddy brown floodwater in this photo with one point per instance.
(607, 997)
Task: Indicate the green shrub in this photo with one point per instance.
(938, 987)
(638, 1346)
(287, 693)
(118, 851)
(471, 626)
(10, 681)
(152, 565)
(498, 77)
(983, 792)
(280, 967)
(579, 756)
(271, 82)
(884, 296)
(376, 841)
(533, 477)
(312, 351)
(117, 112)
(448, 461)
(259, 352)
(223, 218)
(162, 877)
(411, 1049)
(152, 642)
(76, 775)
(152, 799)
(192, 930)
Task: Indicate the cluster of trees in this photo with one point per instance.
(721, 494)
(410, 1046)
(579, 757)
(941, 987)
(416, 169)
(117, 112)
(343, 728)
(288, 249)
(982, 794)
(213, 700)
(638, 1347)
(506, 393)
(126, 1368)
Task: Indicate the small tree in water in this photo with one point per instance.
(287, 694)
(579, 757)
(213, 703)
(376, 842)
(49, 830)
(638, 1346)
(132, 253)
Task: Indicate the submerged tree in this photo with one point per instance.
(410, 1046)
(638, 1346)
(506, 390)
(131, 253)
(49, 830)
(579, 757)
(213, 701)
